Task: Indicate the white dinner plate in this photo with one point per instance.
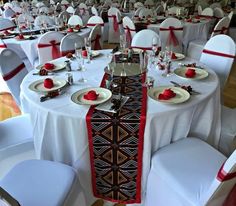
(57, 66)
(104, 95)
(95, 53)
(179, 56)
(181, 94)
(38, 86)
(200, 73)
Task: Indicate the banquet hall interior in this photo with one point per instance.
(118, 102)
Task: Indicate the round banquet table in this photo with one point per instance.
(59, 125)
(28, 48)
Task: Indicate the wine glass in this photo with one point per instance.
(64, 18)
(123, 45)
(80, 60)
(87, 43)
(167, 61)
(154, 45)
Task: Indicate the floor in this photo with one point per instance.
(8, 108)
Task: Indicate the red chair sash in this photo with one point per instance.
(172, 38)
(90, 24)
(3, 46)
(96, 41)
(64, 53)
(223, 30)
(143, 48)
(13, 72)
(115, 23)
(8, 28)
(224, 176)
(55, 50)
(128, 35)
(206, 51)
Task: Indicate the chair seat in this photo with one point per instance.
(169, 185)
(195, 49)
(37, 182)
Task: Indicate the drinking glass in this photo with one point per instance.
(64, 18)
(87, 43)
(123, 46)
(154, 45)
(80, 61)
(167, 61)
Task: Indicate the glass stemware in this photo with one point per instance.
(80, 61)
(123, 46)
(167, 62)
(87, 43)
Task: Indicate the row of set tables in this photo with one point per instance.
(116, 167)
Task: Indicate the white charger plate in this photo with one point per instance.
(104, 95)
(181, 94)
(200, 73)
(57, 66)
(38, 86)
(179, 56)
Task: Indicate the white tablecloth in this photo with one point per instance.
(59, 125)
(191, 31)
(28, 48)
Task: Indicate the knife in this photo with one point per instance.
(51, 95)
(179, 85)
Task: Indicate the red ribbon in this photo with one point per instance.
(128, 35)
(101, 24)
(96, 41)
(55, 50)
(3, 46)
(115, 23)
(224, 176)
(9, 28)
(223, 30)
(143, 48)
(64, 53)
(172, 38)
(218, 54)
(13, 72)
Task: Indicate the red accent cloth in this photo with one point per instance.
(101, 24)
(13, 72)
(64, 53)
(143, 48)
(55, 50)
(128, 34)
(3, 46)
(115, 23)
(224, 176)
(223, 30)
(172, 38)
(96, 41)
(8, 28)
(218, 54)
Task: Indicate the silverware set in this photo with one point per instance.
(187, 88)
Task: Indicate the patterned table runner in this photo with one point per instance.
(116, 143)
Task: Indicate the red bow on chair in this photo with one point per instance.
(96, 41)
(128, 34)
(90, 24)
(115, 23)
(224, 176)
(55, 50)
(223, 30)
(172, 38)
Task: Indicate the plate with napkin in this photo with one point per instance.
(91, 96)
(52, 66)
(191, 73)
(168, 94)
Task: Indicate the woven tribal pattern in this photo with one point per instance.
(117, 144)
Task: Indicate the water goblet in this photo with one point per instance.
(123, 46)
(80, 60)
(87, 43)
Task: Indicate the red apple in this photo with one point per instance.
(48, 83)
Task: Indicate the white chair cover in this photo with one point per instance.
(45, 183)
(6, 24)
(24, 18)
(171, 34)
(70, 10)
(68, 43)
(190, 172)
(207, 12)
(8, 13)
(13, 71)
(75, 20)
(218, 13)
(114, 32)
(94, 11)
(129, 29)
(149, 3)
(159, 10)
(94, 20)
(144, 13)
(143, 39)
(64, 14)
(95, 37)
(16, 135)
(195, 47)
(138, 5)
(48, 46)
(42, 19)
(231, 15)
(215, 5)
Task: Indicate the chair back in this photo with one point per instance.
(42, 19)
(114, 32)
(94, 20)
(75, 20)
(218, 56)
(64, 15)
(6, 24)
(143, 39)
(96, 38)
(223, 183)
(171, 34)
(23, 18)
(149, 3)
(199, 9)
(231, 15)
(68, 43)
(13, 71)
(218, 13)
(94, 11)
(207, 12)
(70, 10)
(129, 29)
(138, 5)
(8, 13)
(159, 10)
(144, 13)
(215, 5)
(48, 46)
(137, 11)
(222, 27)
